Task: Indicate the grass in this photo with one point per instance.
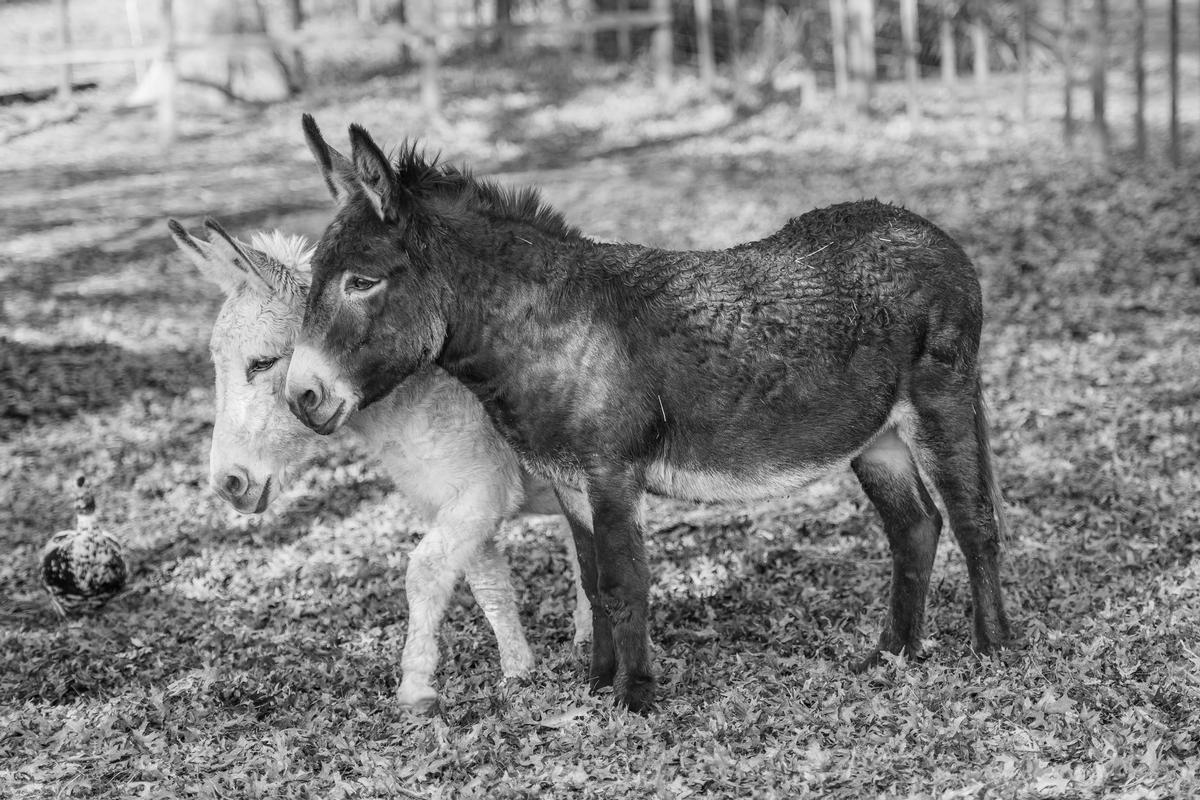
(259, 657)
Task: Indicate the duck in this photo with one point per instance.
(84, 567)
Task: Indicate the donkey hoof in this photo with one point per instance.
(425, 707)
(874, 659)
(517, 680)
(879, 655)
(636, 693)
(599, 680)
(422, 702)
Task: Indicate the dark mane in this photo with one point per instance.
(428, 178)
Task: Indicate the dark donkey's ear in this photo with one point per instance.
(336, 169)
(377, 177)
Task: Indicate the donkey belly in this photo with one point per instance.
(695, 483)
(736, 475)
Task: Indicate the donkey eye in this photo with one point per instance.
(260, 365)
(360, 283)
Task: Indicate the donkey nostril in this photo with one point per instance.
(308, 400)
(235, 485)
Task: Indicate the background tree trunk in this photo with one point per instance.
(837, 26)
(64, 43)
(1068, 64)
(1023, 56)
(1099, 57)
(1174, 80)
(979, 40)
(704, 43)
(908, 32)
(299, 72)
(861, 49)
(1139, 79)
(504, 9)
(661, 44)
(946, 37)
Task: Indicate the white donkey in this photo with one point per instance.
(431, 434)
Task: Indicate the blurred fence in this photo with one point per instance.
(852, 43)
(421, 33)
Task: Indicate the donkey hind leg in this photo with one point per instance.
(953, 427)
(490, 579)
(541, 497)
(434, 568)
(579, 517)
(889, 476)
(583, 607)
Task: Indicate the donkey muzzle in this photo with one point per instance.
(236, 487)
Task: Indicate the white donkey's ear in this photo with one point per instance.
(264, 273)
(212, 265)
(336, 169)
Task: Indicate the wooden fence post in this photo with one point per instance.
(425, 17)
(1139, 79)
(946, 36)
(733, 18)
(64, 42)
(299, 71)
(979, 40)
(1099, 53)
(1174, 80)
(837, 28)
(908, 32)
(861, 50)
(1023, 57)
(624, 36)
(1064, 54)
(167, 123)
(704, 43)
(661, 44)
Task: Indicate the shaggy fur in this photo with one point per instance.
(850, 336)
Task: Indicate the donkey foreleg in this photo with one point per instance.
(623, 580)
(434, 568)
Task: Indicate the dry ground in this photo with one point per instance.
(258, 657)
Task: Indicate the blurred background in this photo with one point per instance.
(1057, 141)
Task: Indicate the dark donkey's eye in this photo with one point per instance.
(359, 283)
(260, 365)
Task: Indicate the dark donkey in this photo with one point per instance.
(850, 336)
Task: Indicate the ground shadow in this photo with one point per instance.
(40, 384)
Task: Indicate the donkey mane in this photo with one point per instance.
(293, 251)
(426, 178)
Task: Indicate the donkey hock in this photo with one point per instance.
(848, 337)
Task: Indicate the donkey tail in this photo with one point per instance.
(986, 471)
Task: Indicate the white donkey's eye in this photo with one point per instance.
(260, 365)
(359, 283)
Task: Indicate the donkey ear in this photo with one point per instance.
(263, 272)
(212, 265)
(377, 177)
(336, 169)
